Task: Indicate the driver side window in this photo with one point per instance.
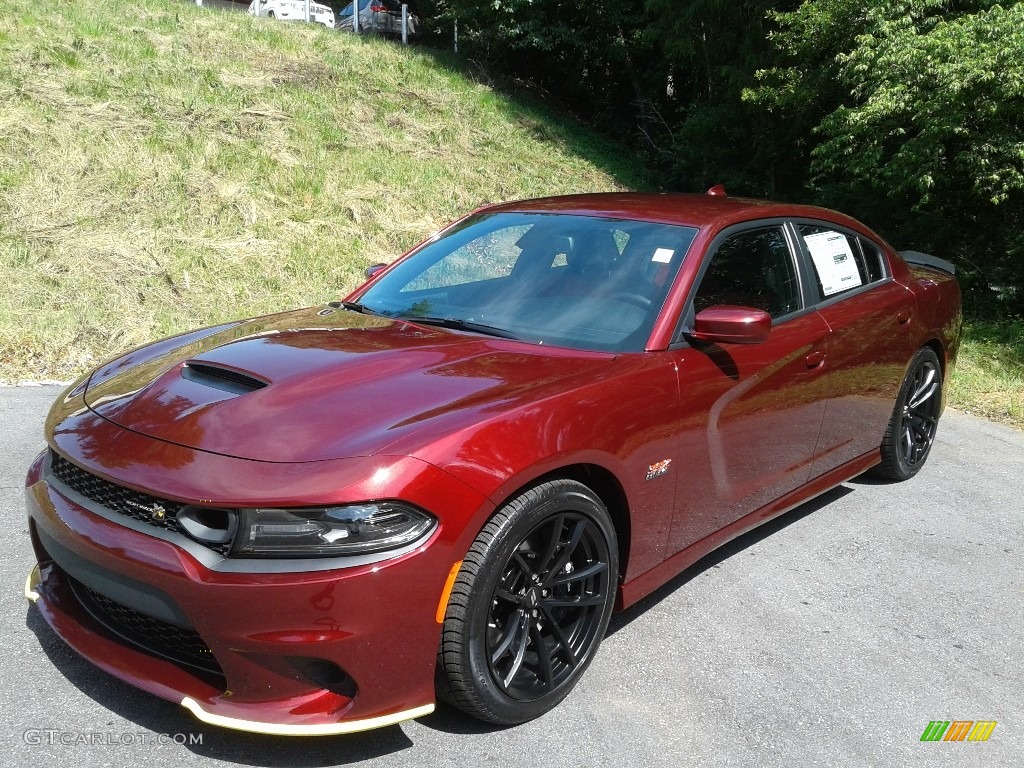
(753, 268)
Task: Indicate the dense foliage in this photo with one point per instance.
(918, 115)
(907, 113)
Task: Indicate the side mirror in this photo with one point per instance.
(373, 269)
(725, 324)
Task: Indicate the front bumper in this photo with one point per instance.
(296, 653)
(32, 586)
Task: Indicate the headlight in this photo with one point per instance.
(353, 529)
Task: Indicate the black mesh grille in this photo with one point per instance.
(130, 503)
(184, 646)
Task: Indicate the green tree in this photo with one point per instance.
(663, 76)
(587, 56)
(713, 50)
(917, 108)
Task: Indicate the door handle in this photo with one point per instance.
(903, 317)
(815, 359)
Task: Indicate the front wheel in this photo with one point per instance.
(530, 605)
(911, 431)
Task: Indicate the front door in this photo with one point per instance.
(751, 414)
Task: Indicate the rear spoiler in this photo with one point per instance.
(926, 260)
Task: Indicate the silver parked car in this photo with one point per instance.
(382, 17)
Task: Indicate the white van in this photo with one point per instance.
(291, 10)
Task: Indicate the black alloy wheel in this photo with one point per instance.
(530, 605)
(915, 419)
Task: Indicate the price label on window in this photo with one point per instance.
(834, 260)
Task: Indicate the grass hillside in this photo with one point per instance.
(989, 376)
(164, 166)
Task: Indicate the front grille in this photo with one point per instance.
(177, 644)
(130, 503)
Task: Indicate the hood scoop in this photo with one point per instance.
(220, 377)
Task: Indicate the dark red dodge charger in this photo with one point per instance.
(315, 522)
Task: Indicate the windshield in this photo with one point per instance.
(573, 281)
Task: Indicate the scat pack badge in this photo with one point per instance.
(155, 511)
(658, 469)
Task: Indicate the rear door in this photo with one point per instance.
(870, 343)
(750, 414)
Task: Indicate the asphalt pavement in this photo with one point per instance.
(829, 637)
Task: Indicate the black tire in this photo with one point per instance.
(911, 431)
(530, 605)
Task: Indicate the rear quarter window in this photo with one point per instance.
(842, 262)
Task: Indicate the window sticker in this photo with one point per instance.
(836, 265)
(663, 255)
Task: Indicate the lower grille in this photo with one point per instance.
(183, 646)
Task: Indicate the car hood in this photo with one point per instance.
(322, 383)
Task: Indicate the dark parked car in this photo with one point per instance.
(381, 17)
(314, 521)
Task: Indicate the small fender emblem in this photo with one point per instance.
(658, 468)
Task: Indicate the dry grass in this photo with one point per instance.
(165, 166)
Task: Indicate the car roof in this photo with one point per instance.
(688, 209)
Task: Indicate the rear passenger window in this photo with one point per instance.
(842, 262)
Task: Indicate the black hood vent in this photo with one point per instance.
(218, 377)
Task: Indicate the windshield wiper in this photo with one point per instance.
(354, 306)
(460, 325)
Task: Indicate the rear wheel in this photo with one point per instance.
(911, 432)
(530, 605)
